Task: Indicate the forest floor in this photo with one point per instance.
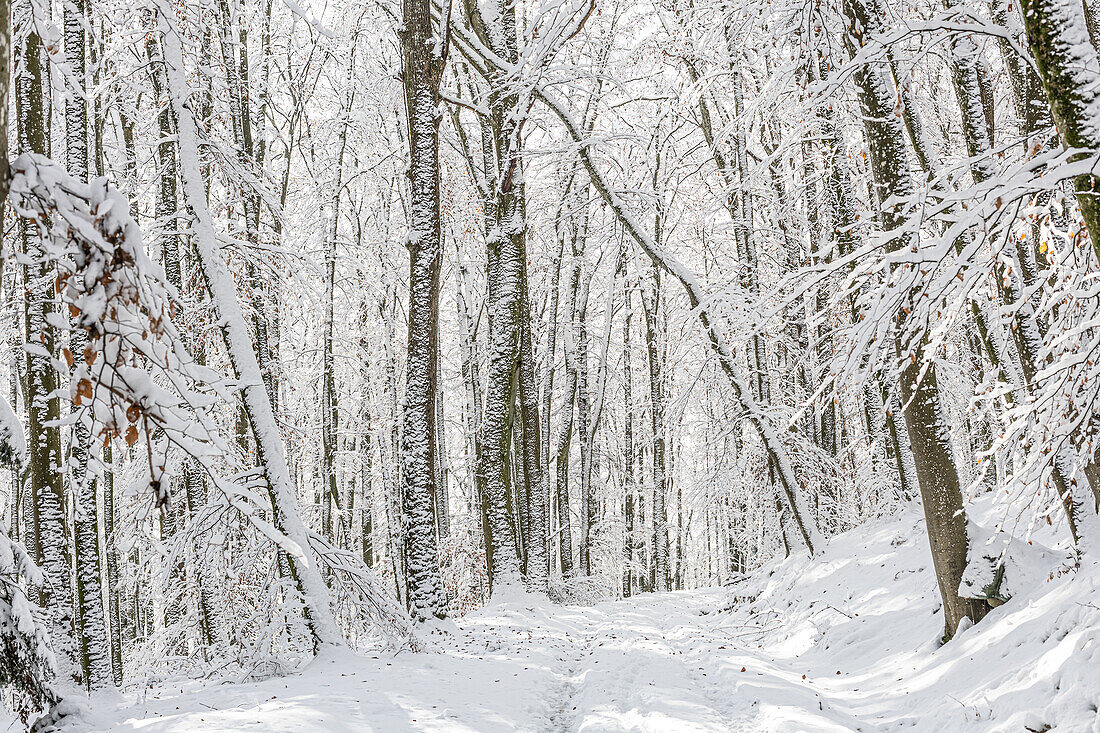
(846, 642)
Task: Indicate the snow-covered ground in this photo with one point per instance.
(845, 642)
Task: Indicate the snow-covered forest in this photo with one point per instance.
(550, 365)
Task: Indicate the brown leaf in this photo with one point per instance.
(90, 355)
(68, 356)
(131, 435)
(133, 412)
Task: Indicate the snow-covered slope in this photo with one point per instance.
(862, 621)
(846, 642)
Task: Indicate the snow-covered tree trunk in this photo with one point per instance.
(111, 575)
(423, 58)
(629, 487)
(166, 204)
(442, 469)
(651, 296)
(329, 414)
(1057, 33)
(271, 455)
(929, 435)
(565, 430)
(584, 444)
(45, 463)
(549, 357)
(90, 617)
(504, 274)
(390, 437)
(27, 666)
(495, 26)
(537, 482)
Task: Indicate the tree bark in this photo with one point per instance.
(423, 60)
(937, 474)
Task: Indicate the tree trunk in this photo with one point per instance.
(421, 71)
(651, 296)
(329, 414)
(270, 451)
(628, 434)
(44, 470)
(937, 475)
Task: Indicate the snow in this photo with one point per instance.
(845, 641)
(13, 445)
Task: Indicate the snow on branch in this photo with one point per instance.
(135, 376)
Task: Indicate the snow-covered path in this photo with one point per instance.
(848, 641)
(648, 664)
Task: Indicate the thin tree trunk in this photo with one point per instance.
(329, 415)
(565, 435)
(628, 433)
(651, 296)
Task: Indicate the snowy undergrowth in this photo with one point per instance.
(848, 641)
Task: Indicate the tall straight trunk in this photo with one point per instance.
(580, 336)
(651, 296)
(90, 618)
(166, 206)
(365, 444)
(549, 351)
(509, 313)
(471, 379)
(535, 478)
(271, 456)
(421, 71)
(495, 425)
(166, 210)
(107, 517)
(565, 435)
(114, 616)
(628, 434)
(45, 475)
(389, 441)
(329, 415)
(442, 470)
(680, 536)
(937, 474)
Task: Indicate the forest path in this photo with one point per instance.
(654, 663)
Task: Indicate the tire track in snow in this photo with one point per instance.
(622, 674)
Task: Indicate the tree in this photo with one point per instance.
(423, 56)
